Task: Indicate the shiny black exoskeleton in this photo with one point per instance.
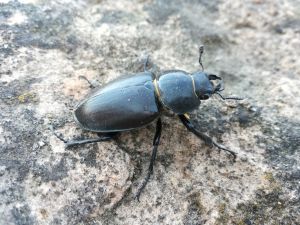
(134, 101)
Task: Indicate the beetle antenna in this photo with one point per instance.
(146, 63)
(227, 98)
(201, 51)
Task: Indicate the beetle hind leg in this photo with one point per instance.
(208, 140)
(101, 137)
(153, 157)
(69, 143)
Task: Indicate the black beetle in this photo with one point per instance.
(131, 102)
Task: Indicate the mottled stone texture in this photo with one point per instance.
(46, 46)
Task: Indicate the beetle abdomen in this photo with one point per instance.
(177, 91)
(124, 104)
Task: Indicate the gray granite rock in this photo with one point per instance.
(46, 46)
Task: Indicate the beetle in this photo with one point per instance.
(134, 101)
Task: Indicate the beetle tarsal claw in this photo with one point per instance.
(142, 185)
(229, 97)
(58, 135)
(220, 147)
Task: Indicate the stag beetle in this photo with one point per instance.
(133, 101)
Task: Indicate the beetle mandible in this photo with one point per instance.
(134, 101)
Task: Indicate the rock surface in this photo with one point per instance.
(46, 46)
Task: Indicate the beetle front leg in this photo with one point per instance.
(92, 84)
(208, 140)
(153, 157)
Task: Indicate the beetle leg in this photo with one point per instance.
(153, 157)
(92, 84)
(104, 137)
(208, 140)
(228, 98)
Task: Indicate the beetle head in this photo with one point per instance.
(204, 85)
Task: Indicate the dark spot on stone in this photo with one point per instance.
(165, 159)
(282, 141)
(267, 207)
(45, 29)
(57, 221)
(247, 222)
(211, 120)
(161, 218)
(141, 44)
(294, 175)
(109, 217)
(159, 11)
(246, 117)
(89, 157)
(278, 29)
(290, 23)
(13, 191)
(10, 92)
(72, 40)
(8, 72)
(243, 117)
(115, 17)
(286, 144)
(52, 172)
(4, 13)
(195, 210)
(22, 215)
(214, 39)
(79, 210)
(6, 50)
(282, 147)
(20, 148)
(44, 213)
(211, 6)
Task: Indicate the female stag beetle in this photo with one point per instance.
(131, 102)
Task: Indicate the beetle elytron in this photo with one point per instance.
(134, 101)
